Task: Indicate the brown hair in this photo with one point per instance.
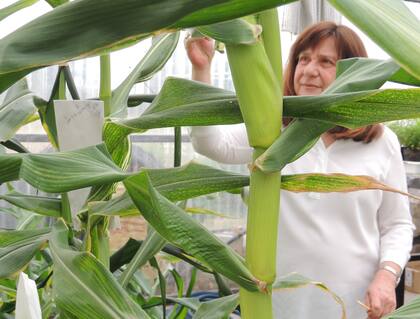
(348, 45)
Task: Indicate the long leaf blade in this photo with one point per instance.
(179, 228)
(218, 308)
(82, 285)
(18, 247)
(390, 24)
(159, 53)
(27, 50)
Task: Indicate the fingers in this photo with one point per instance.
(379, 304)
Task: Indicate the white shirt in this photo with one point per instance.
(336, 238)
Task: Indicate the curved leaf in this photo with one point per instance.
(17, 108)
(410, 310)
(87, 23)
(327, 183)
(390, 24)
(217, 308)
(177, 227)
(294, 280)
(236, 31)
(14, 7)
(83, 287)
(302, 134)
(161, 50)
(41, 205)
(18, 247)
(65, 171)
(150, 247)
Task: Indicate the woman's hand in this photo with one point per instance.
(200, 51)
(380, 296)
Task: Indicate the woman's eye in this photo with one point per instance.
(328, 62)
(303, 59)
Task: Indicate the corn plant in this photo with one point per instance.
(74, 265)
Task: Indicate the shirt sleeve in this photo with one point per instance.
(224, 143)
(394, 218)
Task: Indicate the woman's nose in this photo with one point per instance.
(311, 69)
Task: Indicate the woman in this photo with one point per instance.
(356, 243)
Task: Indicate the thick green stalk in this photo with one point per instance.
(269, 21)
(105, 92)
(260, 99)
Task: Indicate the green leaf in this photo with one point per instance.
(10, 167)
(18, 247)
(14, 7)
(87, 23)
(410, 310)
(186, 103)
(174, 224)
(83, 287)
(302, 134)
(46, 110)
(191, 303)
(14, 145)
(294, 280)
(391, 25)
(218, 308)
(176, 184)
(126, 253)
(150, 247)
(41, 205)
(236, 31)
(56, 3)
(327, 183)
(64, 171)
(353, 110)
(18, 106)
(162, 48)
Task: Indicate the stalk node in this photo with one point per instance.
(262, 286)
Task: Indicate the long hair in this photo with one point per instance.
(348, 45)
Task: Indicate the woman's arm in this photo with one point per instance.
(396, 237)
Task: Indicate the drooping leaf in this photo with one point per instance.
(176, 184)
(14, 145)
(14, 7)
(18, 247)
(17, 108)
(83, 287)
(56, 3)
(353, 110)
(327, 183)
(150, 247)
(177, 227)
(159, 53)
(183, 103)
(64, 171)
(41, 205)
(368, 70)
(294, 280)
(217, 308)
(236, 31)
(390, 24)
(10, 167)
(302, 134)
(410, 310)
(87, 24)
(125, 253)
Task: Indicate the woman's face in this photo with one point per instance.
(315, 70)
